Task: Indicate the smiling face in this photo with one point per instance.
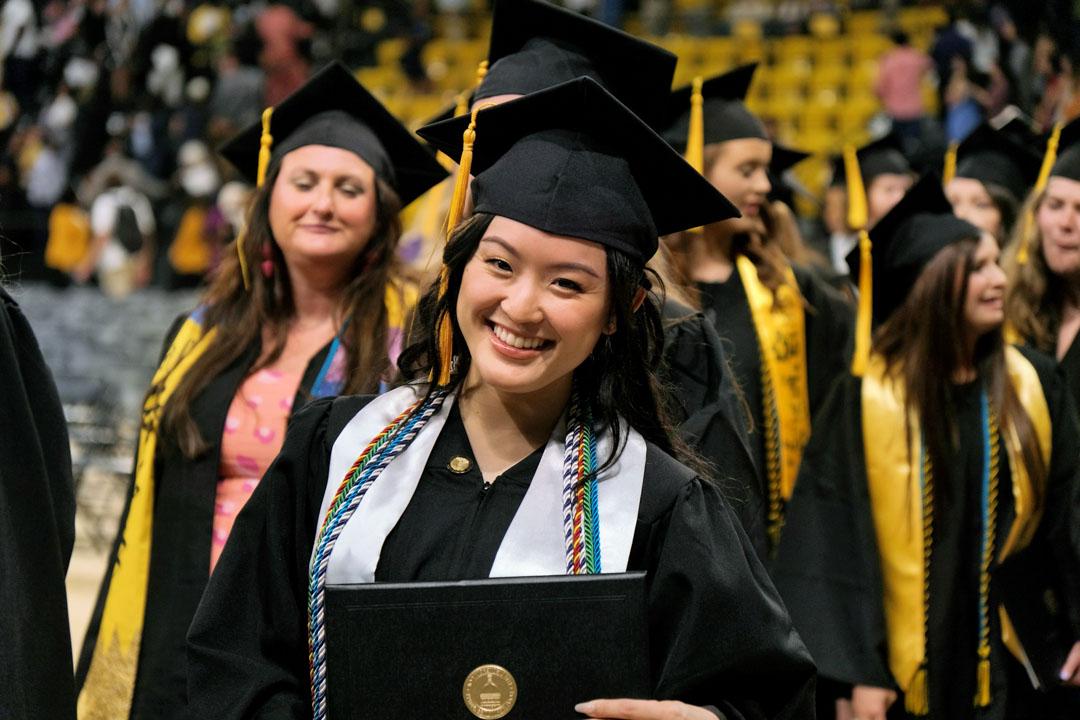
(1058, 218)
(531, 307)
(984, 303)
(971, 201)
(740, 170)
(323, 207)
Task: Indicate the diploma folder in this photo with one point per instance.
(519, 648)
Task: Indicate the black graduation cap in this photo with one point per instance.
(726, 115)
(883, 156)
(906, 239)
(572, 160)
(1067, 163)
(536, 45)
(994, 157)
(334, 109)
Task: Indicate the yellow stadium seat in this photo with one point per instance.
(817, 141)
(869, 47)
(824, 25)
(831, 52)
(389, 51)
(863, 75)
(863, 22)
(749, 50)
(829, 77)
(791, 80)
(793, 48)
(746, 30)
(923, 18)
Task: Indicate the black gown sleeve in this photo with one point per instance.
(37, 529)
(247, 646)
(1059, 530)
(719, 633)
(827, 567)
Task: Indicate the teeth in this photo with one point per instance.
(516, 340)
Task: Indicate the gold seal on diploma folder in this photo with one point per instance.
(490, 692)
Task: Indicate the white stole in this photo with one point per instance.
(534, 544)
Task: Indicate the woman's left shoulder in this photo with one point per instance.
(666, 481)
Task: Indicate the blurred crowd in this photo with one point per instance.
(110, 110)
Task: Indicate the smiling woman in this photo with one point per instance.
(532, 408)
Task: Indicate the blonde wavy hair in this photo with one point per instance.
(1033, 293)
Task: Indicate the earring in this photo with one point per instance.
(267, 263)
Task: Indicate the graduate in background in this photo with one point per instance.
(310, 303)
(988, 178)
(37, 529)
(787, 329)
(1042, 303)
(543, 335)
(944, 433)
(886, 176)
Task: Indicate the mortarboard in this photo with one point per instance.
(906, 239)
(724, 114)
(1066, 162)
(573, 160)
(536, 45)
(334, 109)
(994, 157)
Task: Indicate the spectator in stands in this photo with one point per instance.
(122, 250)
(19, 51)
(901, 72)
(949, 42)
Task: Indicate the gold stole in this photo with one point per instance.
(110, 682)
(894, 484)
(780, 324)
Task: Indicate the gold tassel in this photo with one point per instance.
(695, 136)
(917, 697)
(266, 140)
(949, 171)
(461, 181)
(982, 687)
(857, 217)
(481, 72)
(457, 205)
(1022, 254)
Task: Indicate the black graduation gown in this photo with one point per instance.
(829, 326)
(1070, 365)
(37, 529)
(247, 650)
(185, 490)
(708, 407)
(828, 569)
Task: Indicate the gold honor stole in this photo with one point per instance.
(110, 682)
(780, 323)
(894, 484)
(109, 688)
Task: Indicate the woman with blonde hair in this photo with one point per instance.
(1042, 303)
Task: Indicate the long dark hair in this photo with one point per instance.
(620, 374)
(241, 315)
(923, 346)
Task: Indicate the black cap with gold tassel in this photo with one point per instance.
(1048, 165)
(334, 109)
